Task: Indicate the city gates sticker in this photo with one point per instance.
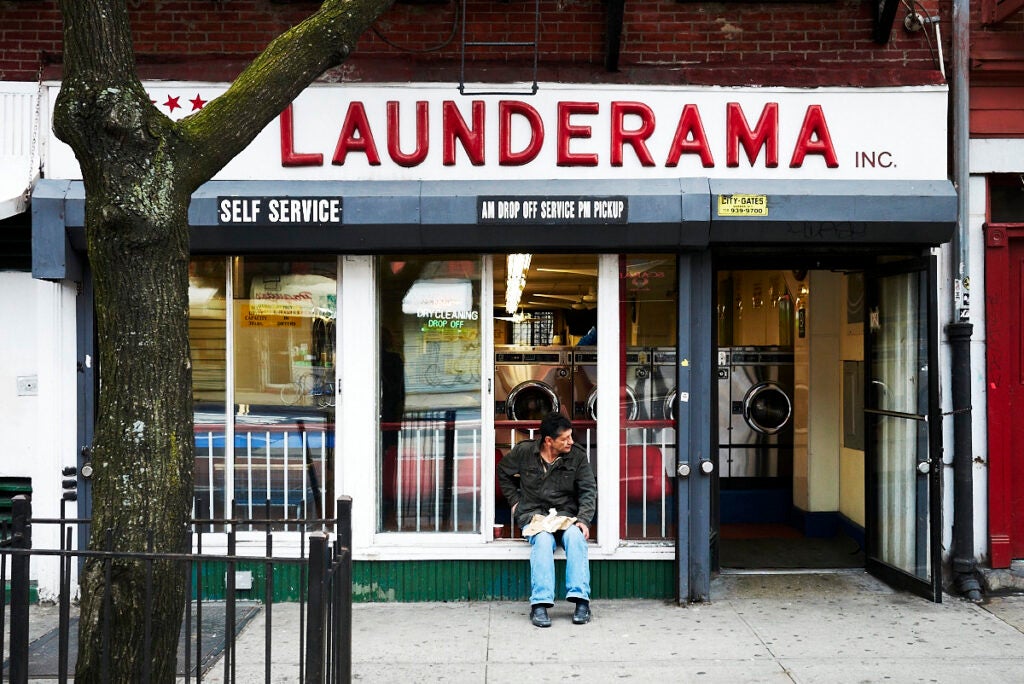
(563, 210)
(743, 205)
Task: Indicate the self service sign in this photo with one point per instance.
(279, 211)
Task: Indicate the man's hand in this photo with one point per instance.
(584, 529)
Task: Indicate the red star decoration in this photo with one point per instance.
(198, 102)
(172, 103)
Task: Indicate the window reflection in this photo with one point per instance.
(648, 396)
(279, 355)
(429, 403)
(207, 330)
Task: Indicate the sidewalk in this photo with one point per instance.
(828, 628)
(808, 628)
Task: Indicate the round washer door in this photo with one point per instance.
(668, 409)
(632, 408)
(767, 408)
(531, 400)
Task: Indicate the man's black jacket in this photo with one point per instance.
(568, 486)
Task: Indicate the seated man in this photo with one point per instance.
(553, 493)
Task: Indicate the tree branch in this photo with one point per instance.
(225, 126)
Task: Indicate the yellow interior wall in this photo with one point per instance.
(851, 461)
(824, 315)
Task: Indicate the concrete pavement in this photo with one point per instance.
(807, 628)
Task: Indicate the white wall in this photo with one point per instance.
(39, 430)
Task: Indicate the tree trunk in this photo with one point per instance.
(139, 170)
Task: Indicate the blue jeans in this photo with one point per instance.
(542, 566)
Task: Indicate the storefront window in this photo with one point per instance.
(545, 352)
(647, 411)
(208, 341)
(284, 379)
(273, 369)
(429, 369)
(1006, 198)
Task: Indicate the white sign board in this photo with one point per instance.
(431, 132)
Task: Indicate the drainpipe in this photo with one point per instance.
(960, 329)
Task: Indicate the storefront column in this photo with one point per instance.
(356, 401)
(695, 416)
(608, 512)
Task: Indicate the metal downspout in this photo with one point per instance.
(960, 329)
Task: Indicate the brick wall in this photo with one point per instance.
(662, 40)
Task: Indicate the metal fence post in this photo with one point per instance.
(315, 580)
(343, 589)
(21, 538)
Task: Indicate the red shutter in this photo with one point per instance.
(996, 11)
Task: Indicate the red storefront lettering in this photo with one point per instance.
(289, 157)
(690, 138)
(356, 136)
(506, 110)
(422, 135)
(765, 134)
(454, 126)
(635, 137)
(814, 138)
(566, 132)
(631, 124)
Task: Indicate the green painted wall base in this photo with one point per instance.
(447, 580)
(33, 592)
(451, 580)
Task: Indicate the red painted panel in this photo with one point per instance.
(997, 123)
(996, 97)
(996, 11)
(1004, 292)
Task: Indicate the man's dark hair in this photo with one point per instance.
(553, 425)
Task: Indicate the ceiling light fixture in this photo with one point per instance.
(516, 267)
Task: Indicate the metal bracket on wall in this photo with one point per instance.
(510, 44)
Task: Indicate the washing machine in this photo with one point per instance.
(755, 412)
(584, 384)
(530, 382)
(663, 383)
(584, 380)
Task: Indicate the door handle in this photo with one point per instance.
(924, 467)
(683, 470)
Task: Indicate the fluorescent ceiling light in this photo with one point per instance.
(516, 267)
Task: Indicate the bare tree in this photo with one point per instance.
(139, 170)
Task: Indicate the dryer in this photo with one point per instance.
(637, 388)
(530, 382)
(663, 383)
(755, 412)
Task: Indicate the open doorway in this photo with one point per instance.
(790, 487)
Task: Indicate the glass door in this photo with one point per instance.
(903, 428)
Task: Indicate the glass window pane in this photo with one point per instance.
(429, 369)
(284, 373)
(1006, 198)
(899, 382)
(647, 293)
(207, 327)
(545, 346)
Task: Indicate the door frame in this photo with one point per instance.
(930, 587)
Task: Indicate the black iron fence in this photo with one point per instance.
(309, 594)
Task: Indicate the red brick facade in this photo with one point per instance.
(791, 43)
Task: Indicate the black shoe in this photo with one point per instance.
(581, 615)
(539, 616)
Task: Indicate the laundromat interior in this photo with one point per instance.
(789, 488)
(790, 491)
